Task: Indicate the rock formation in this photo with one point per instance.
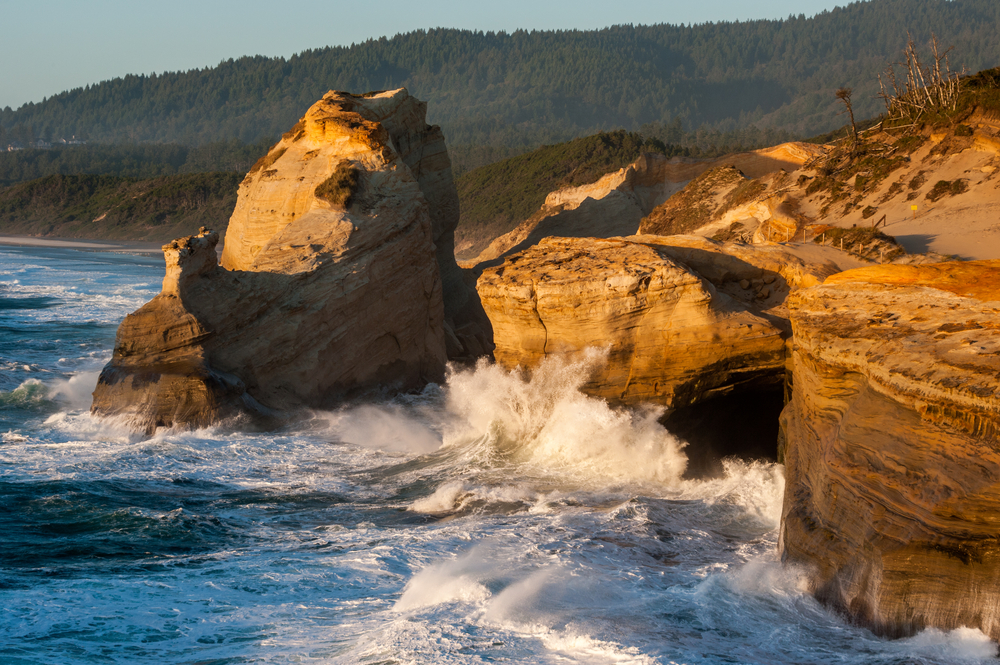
(684, 318)
(329, 284)
(279, 189)
(616, 204)
(892, 497)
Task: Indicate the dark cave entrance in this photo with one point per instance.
(742, 424)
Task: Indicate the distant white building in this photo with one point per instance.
(42, 144)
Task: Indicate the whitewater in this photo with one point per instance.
(493, 518)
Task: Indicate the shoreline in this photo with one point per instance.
(83, 244)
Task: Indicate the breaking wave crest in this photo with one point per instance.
(76, 391)
(73, 392)
(546, 420)
(29, 393)
(542, 419)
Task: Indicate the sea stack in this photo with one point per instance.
(892, 445)
(330, 284)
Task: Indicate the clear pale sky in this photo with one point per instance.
(56, 45)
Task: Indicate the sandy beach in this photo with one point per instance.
(74, 243)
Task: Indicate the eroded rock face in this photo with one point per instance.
(892, 496)
(330, 284)
(684, 318)
(616, 204)
(280, 190)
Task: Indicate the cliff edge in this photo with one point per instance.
(892, 496)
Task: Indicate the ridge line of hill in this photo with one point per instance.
(526, 89)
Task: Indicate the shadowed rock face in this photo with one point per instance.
(341, 126)
(892, 445)
(330, 284)
(683, 318)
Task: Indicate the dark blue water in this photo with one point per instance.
(492, 519)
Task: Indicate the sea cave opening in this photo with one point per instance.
(741, 424)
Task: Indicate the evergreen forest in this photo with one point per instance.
(511, 92)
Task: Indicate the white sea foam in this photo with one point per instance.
(547, 421)
(758, 488)
(765, 576)
(456, 495)
(583, 648)
(549, 603)
(961, 645)
(444, 499)
(460, 579)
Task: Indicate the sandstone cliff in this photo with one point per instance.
(892, 497)
(330, 284)
(683, 318)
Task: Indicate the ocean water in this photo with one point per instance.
(489, 519)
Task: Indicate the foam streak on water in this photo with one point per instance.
(494, 518)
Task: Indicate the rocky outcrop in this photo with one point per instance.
(892, 496)
(330, 285)
(703, 199)
(616, 204)
(683, 318)
(280, 189)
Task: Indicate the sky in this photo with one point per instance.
(56, 45)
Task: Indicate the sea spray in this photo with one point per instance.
(77, 390)
(492, 416)
(389, 427)
(446, 498)
(72, 392)
(961, 645)
(461, 579)
(546, 420)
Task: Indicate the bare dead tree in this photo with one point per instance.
(844, 95)
(884, 96)
(933, 88)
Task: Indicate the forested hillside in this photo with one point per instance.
(111, 207)
(143, 160)
(529, 88)
(497, 197)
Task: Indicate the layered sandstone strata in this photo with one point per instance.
(683, 318)
(892, 499)
(330, 284)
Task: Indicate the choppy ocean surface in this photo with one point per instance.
(490, 519)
